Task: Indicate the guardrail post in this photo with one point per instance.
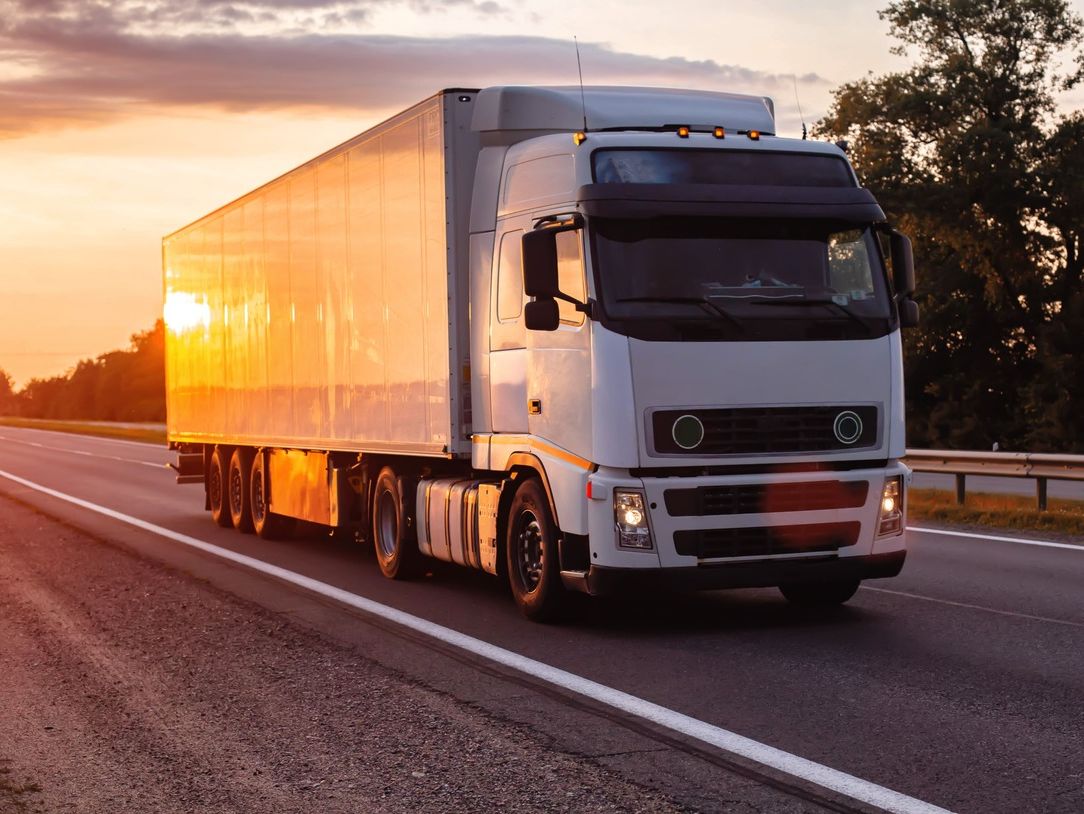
(960, 489)
(1040, 493)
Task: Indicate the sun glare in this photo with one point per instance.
(183, 312)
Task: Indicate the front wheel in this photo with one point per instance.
(820, 594)
(534, 572)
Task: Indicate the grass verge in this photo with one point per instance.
(151, 435)
(1015, 512)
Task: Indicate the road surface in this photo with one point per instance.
(959, 684)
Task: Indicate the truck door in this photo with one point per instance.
(507, 337)
(559, 362)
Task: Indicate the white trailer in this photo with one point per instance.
(659, 349)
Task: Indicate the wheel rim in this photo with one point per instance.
(257, 497)
(215, 488)
(387, 524)
(530, 550)
(236, 496)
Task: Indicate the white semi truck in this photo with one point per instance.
(584, 339)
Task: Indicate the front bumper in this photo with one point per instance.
(602, 581)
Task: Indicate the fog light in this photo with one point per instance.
(630, 520)
(891, 519)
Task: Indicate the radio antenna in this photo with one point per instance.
(579, 70)
(799, 101)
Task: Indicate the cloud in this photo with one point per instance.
(96, 63)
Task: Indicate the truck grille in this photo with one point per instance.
(752, 430)
(763, 498)
(764, 541)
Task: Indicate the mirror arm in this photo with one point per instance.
(584, 307)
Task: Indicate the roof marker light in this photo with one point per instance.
(683, 132)
(579, 137)
(719, 132)
(754, 135)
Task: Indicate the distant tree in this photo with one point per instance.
(7, 393)
(967, 155)
(122, 385)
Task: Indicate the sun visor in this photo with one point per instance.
(848, 204)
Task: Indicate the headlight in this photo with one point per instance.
(891, 520)
(630, 520)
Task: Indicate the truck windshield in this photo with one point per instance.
(710, 279)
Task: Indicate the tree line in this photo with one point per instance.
(122, 385)
(968, 155)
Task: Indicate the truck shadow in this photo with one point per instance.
(637, 615)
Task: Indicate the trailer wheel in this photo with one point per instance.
(534, 572)
(394, 540)
(217, 474)
(268, 526)
(239, 490)
(820, 594)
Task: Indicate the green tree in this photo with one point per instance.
(965, 151)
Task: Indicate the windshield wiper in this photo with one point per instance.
(804, 303)
(703, 302)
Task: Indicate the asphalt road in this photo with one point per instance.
(960, 683)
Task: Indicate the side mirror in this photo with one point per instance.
(908, 313)
(541, 315)
(903, 264)
(540, 264)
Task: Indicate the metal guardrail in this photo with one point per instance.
(1040, 467)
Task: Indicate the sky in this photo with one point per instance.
(122, 120)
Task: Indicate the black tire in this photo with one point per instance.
(239, 490)
(531, 555)
(820, 594)
(268, 526)
(394, 537)
(217, 474)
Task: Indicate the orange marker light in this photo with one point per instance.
(683, 132)
(579, 138)
(754, 135)
(719, 132)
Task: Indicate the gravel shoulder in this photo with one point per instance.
(130, 686)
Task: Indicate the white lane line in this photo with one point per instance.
(1018, 540)
(969, 606)
(70, 451)
(723, 739)
(88, 437)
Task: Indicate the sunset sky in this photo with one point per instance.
(121, 121)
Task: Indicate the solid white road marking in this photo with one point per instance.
(81, 452)
(969, 606)
(723, 739)
(971, 535)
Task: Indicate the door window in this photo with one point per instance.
(570, 275)
(510, 277)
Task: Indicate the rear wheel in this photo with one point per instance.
(240, 489)
(534, 572)
(394, 539)
(217, 473)
(267, 525)
(820, 594)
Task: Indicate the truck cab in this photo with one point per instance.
(687, 324)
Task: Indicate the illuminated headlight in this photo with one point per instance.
(630, 519)
(891, 521)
